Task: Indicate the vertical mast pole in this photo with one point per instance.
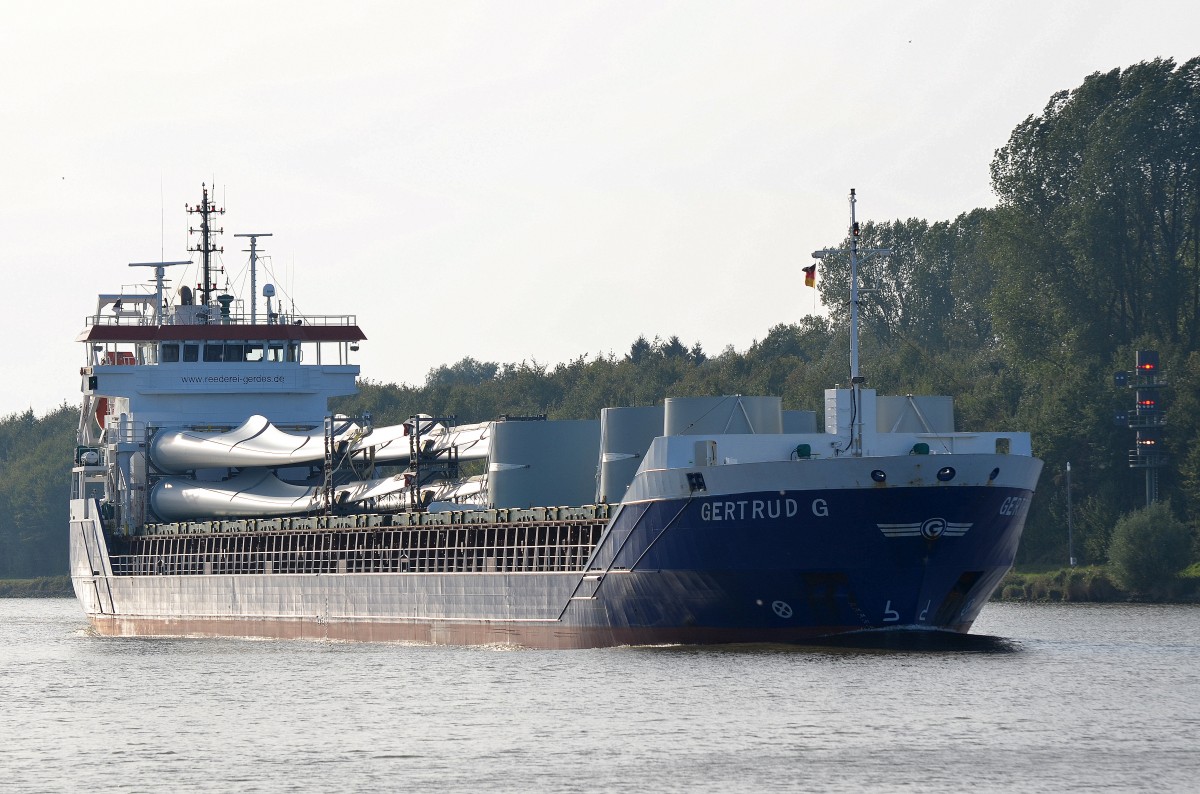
(855, 377)
(160, 273)
(204, 238)
(1070, 521)
(253, 269)
(253, 280)
(855, 380)
(206, 246)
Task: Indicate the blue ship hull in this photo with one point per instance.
(770, 567)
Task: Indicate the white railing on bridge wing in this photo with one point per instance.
(236, 319)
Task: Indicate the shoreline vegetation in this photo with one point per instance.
(1083, 584)
(41, 587)
(1091, 583)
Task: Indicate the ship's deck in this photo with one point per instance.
(483, 541)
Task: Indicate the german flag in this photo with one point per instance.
(810, 275)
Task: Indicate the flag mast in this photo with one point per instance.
(856, 378)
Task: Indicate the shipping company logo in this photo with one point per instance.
(930, 529)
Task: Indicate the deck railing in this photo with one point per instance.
(513, 548)
(236, 318)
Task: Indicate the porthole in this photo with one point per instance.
(946, 474)
(878, 476)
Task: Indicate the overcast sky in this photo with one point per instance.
(508, 181)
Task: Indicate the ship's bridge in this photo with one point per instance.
(158, 357)
(127, 329)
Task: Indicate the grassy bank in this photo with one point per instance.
(1090, 584)
(42, 587)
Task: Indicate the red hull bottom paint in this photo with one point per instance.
(527, 635)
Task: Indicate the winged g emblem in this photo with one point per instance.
(930, 529)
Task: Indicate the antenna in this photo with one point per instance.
(253, 264)
(206, 246)
(160, 270)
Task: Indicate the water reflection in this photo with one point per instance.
(934, 642)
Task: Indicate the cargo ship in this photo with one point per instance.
(215, 494)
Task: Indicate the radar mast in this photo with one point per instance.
(206, 246)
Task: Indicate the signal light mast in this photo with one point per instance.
(1147, 418)
(205, 246)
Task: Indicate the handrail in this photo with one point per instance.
(117, 431)
(234, 319)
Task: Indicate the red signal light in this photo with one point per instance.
(1147, 403)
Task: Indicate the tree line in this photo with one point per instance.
(1022, 312)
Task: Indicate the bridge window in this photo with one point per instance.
(170, 352)
(124, 357)
(283, 351)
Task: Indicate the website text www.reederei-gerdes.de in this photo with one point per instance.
(233, 379)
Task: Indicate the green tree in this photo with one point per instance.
(35, 464)
(466, 371)
(639, 350)
(1149, 548)
(1094, 249)
(930, 292)
(1099, 219)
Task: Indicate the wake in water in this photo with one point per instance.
(923, 642)
(936, 642)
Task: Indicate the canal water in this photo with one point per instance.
(1051, 698)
